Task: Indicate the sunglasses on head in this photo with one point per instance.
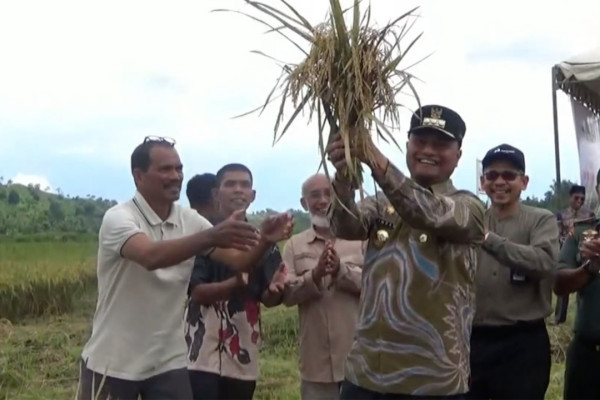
(159, 139)
(508, 176)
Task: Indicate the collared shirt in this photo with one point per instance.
(516, 271)
(327, 311)
(137, 330)
(417, 300)
(224, 337)
(567, 217)
(587, 316)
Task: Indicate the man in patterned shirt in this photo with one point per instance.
(417, 304)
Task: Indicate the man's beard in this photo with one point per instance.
(319, 221)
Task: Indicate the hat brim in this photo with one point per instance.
(501, 157)
(432, 128)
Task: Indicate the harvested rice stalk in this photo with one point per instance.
(350, 77)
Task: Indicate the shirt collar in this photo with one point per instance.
(443, 187)
(313, 236)
(149, 214)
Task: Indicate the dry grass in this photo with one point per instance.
(38, 356)
(350, 76)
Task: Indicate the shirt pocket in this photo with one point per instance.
(305, 261)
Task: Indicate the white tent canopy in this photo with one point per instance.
(579, 77)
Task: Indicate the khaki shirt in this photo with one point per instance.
(417, 300)
(327, 311)
(516, 271)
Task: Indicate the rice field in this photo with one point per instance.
(44, 278)
(47, 298)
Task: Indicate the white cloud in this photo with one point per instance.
(26, 179)
(99, 77)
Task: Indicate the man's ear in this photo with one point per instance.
(525, 181)
(303, 203)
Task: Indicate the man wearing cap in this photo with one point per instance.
(510, 348)
(575, 274)
(566, 220)
(417, 301)
(575, 211)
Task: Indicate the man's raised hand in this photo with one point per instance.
(277, 227)
(235, 233)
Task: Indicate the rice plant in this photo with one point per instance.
(350, 76)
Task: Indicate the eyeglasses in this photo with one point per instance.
(160, 139)
(508, 176)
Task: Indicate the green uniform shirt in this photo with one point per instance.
(418, 292)
(587, 317)
(517, 266)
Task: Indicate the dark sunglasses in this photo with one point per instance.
(159, 139)
(579, 198)
(508, 176)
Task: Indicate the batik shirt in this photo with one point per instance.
(417, 302)
(224, 337)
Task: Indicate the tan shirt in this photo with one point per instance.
(418, 294)
(516, 272)
(327, 311)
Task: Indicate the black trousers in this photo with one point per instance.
(170, 385)
(350, 391)
(510, 362)
(210, 386)
(582, 370)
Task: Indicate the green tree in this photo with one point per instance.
(13, 197)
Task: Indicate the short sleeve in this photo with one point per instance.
(118, 225)
(203, 272)
(198, 222)
(269, 266)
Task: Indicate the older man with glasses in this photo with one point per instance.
(146, 253)
(510, 348)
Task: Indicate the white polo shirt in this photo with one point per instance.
(138, 326)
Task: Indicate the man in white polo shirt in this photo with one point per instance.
(145, 258)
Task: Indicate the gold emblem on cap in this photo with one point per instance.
(436, 113)
(435, 119)
(423, 238)
(381, 237)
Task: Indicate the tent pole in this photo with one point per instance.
(562, 302)
(556, 144)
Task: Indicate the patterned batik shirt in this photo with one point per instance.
(224, 337)
(418, 293)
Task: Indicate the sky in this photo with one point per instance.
(82, 83)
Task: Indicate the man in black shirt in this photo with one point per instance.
(223, 314)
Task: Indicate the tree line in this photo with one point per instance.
(31, 213)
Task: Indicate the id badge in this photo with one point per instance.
(517, 278)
